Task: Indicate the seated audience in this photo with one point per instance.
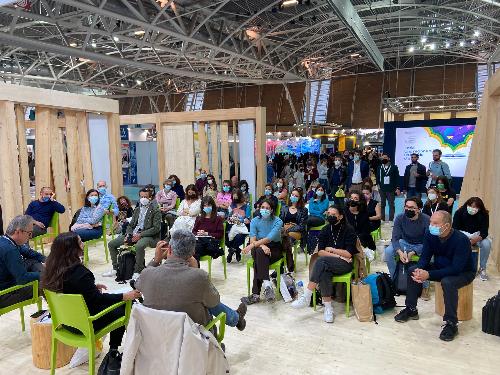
(434, 202)
(211, 188)
(452, 266)
(373, 208)
(311, 191)
(234, 182)
(87, 221)
(239, 216)
(223, 200)
(473, 218)
(357, 216)
(125, 212)
(243, 186)
(143, 231)
(188, 210)
(201, 181)
(318, 205)
(179, 285)
(65, 273)
(42, 211)
(176, 186)
(447, 193)
(268, 194)
(106, 199)
(18, 263)
(336, 247)
(265, 246)
(167, 200)
(208, 229)
(281, 190)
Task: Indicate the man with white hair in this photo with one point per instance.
(18, 263)
(453, 267)
(179, 285)
(106, 199)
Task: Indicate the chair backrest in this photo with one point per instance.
(278, 210)
(106, 220)
(177, 203)
(70, 310)
(54, 223)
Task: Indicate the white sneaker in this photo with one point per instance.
(135, 276)
(328, 315)
(300, 302)
(482, 275)
(111, 273)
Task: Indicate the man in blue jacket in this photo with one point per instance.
(357, 171)
(453, 267)
(18, 263)
(42, 211)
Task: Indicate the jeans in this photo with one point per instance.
(390, 254)
(232, 317)
(89, 234)
(484, 253)
(412, 192)
(450, 285)
(389, 196)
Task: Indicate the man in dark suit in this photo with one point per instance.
(415, 178)
(357, 171)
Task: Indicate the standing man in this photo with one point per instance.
(337, 177)
(388, 181)
(357, 171)
(107, 200)
(42, 211)
(270, 171)
(323, 174)
(415, 178)
(437, 168)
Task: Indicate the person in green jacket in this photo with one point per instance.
(388, 182)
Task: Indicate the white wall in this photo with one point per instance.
(147, 163)
(246, 133)
(99, 148)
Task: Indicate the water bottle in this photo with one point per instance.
(300, 288)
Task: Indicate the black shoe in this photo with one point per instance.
(404, 315)
(251, 299)
(238, 255)
(115, 361)
(230, 255)
(242, 311)
(450, 330)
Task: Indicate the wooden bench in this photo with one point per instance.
(465, 301)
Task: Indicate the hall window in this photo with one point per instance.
(318, 106)
(194, 101)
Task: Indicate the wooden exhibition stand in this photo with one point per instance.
(62, 149)
(175, 141)
(482, 176)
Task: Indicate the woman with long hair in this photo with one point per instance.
(188, 210)
(239, 215)
(372, 207)
(87, 221)
(125, 211)
(211, 188)
(318, 205)
(208, 229)
(177, 187)
(65, 273)
(447, 193)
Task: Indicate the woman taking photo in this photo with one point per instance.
(473, 218)
(211, 188)
(208, 229)
(447, 193)
(265, 246)
(65, 273)
(357, 216)
(434, 202)
(372, 208)
(239, 216)
(336, 248)
(87, 221)
(188, 210)
(318, 205)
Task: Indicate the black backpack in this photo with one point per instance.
(126, 264)
(491, 316)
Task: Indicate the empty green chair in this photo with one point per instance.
(70, 310)
(106, 219)
(296, 247)
(20, 305)
(54, 224)
(208, 258)
(276, 266)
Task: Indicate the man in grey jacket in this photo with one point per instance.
(179, 285)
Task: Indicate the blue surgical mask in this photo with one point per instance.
(356, 157)
(102, 190)
(243, 188)
(265, 213)
(203, 175)
(93, 199)
(45, 199)
(268, 192)
(294, 199)
(207, 209)
(320, 193)
(167, 187)
(226, 189)
(435, 231)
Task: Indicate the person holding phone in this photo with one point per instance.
(43, 209)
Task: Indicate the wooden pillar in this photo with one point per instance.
(115, 154)
(224, 142)
(214, 145)
(58, 159)
(10, 199)
(46, 118)
(236, 149)
(160, 146)
(202, 140)
(74, 162)
(23, 156)
(83, 137)
(260, 149)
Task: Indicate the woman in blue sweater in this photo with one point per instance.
(318, 205)
(87, 222)
(265, 246)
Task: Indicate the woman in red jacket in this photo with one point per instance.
(208, 229)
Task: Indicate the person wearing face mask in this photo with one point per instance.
(42, 211)
(473, 220)
(167, 199)
(239, 215)
(388, 181)
(143, 231)
(87, 221)
(265, 247)
(372, 208)
(270, 171)
(188, 210)
(337, 177)
(452, 265)
(201, 182)
(281, 190)
(437, 168)
(311, 173)
(357, 216)
(318, 205)
(177, 187)
(106, 199)
(447, 193)
(298, 177)
(434, 202)
(211, 188)
(224, 199)
(357, 171)
(336, 248)
(415, 178)
(125, 212)
(268, 194)
(243, 187)
(208, 229)
(323, 174)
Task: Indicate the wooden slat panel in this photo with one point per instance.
(236, 149)
(179, 156)
(46, 118)
(23, 157)
(214, 147)
(160, 146)
(75, 171)
(202, 140)
(224, 150)
(115, 155)
(260, 149)
(83, 135)
(10, 199)
(58, 161)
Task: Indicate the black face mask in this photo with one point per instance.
(192, 196)
(410, 214)
(332, 220)
(353, 204)
(384, 161)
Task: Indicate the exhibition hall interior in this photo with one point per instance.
(249, 187)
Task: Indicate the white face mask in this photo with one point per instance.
(144, 201)
(337, 163)
(432, 196)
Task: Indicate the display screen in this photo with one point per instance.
(454, 141)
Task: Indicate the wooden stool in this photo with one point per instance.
(465, 301)
(41, 334)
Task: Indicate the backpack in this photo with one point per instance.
(491, 316)
(126, 264)
(382, 290)
(401, 277)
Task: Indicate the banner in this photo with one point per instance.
(454, 142)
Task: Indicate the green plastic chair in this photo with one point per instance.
(20, 305)
(346, 279)
(54, 224)
(274, 266)
(106, 219)
(377, 234)
(177, 203)
(278, 210)
(221, 318)
(208, 258)
(70, 310)
(296, 247)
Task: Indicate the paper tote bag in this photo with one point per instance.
(362, 301)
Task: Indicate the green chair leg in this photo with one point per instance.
(210, 268)
(106, 251)
(39, 304)
(53, 356)
(92, 359)
(348, 299)
(21, 311)
(278, 283)
(314, 299)
(224, 264)
(249, 265)
(85, 254)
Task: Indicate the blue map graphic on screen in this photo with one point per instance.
(454, 137)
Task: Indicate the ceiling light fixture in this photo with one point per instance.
(94, 44)
(447, 44)
(411, 49)
(470, 104)
(288, 3)
(115, 38)
(354, 55)
(462, 43)
(477, 33)
(73, 44)
(423, 39)
(139, 32)
(441, 106)
(139, 82)
(417, 107)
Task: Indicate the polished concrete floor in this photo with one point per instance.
(280, 340)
